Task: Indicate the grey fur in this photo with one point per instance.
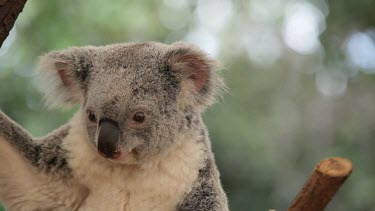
(206, 193)
(170, 84)
(45, 153)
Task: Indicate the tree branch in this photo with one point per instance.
(325, 181)
(9, 11)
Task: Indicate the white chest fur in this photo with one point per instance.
(158, 185)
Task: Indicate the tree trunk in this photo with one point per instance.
(9, 11)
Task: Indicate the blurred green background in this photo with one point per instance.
(301, 76)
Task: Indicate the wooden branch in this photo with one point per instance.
(2, 2)
(9, 11)
(325, 181)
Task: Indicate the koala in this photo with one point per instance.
(137, 142)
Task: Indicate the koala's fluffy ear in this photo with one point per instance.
(200, 82)
(65, 75)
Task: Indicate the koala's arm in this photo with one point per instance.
(34, 173)
(44, 154)
(207, 193)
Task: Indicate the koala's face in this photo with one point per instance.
(131, 89)
(133, 96)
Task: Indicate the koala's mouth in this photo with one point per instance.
(108, 142)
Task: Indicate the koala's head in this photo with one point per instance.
(133, 96)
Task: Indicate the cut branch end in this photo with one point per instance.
(325, 181)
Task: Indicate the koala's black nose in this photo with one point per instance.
(108, 139)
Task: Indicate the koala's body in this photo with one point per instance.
(137, 142)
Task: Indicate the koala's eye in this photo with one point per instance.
(91, 116)
(139, 117)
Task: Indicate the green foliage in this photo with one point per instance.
(284, 112)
